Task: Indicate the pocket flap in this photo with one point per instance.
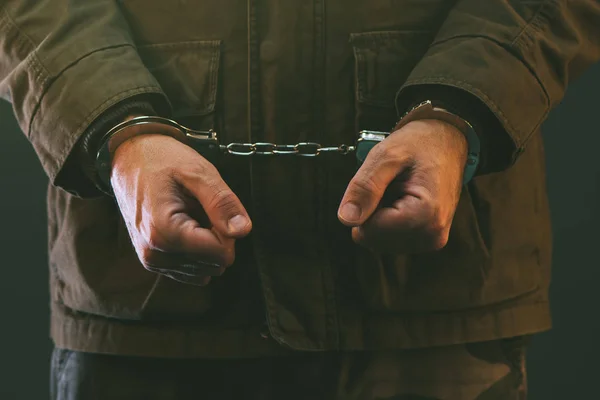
(188, 73)
(384, 61)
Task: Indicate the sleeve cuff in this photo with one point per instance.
(490, 87)
(85, 151)
(489, 130)
(79, 96)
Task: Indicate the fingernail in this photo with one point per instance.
(350, 212)
(237, 223)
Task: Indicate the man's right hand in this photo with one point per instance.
(182, 217)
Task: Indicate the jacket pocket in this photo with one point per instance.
(116, 285)
(188, 73)
(448, 279)
(453, 278)
(383, 62)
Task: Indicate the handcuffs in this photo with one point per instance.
(207, 143)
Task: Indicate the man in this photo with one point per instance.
(180, 273)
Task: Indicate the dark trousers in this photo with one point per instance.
(480, 371)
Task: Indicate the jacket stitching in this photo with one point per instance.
(489, 100)
(213, 47)
(50, 80)
(72, 138)
(364, 41)
(491, 104)
(208, 44)
(508, 50)
(10, 23)
(214, 75)
(541, 17)
(535, 23)
(30, 60)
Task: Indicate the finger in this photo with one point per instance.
(192, 270)
(382, 165)
(160, 261)
(224, 209)
(199, 243)
(409, 226)
(407, 213)
(403, 242)
(196, 281)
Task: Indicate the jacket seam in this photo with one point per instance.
(67, 325)
(489, 101)
(30, 60)
(93, 115)
(439, 79)
(212, 48)
(507, 49)
(533, 24)
(50, 80)
(31, 57)
(10, 23)
(213, 45)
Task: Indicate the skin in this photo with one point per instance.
(403, 198)
(183, 219)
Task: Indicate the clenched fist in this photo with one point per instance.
(182, 217)
(404, 196)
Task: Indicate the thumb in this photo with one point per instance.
(223, 208)
(370, 182)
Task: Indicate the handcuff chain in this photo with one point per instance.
(303, 149)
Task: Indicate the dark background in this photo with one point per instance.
(563, 363)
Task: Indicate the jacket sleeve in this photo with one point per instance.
(63, 63)
(516, 57)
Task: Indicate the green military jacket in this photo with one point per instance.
(289, 72)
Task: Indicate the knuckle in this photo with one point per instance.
(204, 281)
(223, 199)
(164, 231)
(433, 215)
(381, 151)
(387, 154)
(223, 256)
(359, 237)
(366, 184)
(156, 239)
(438, 233)
(228, 258)
(147, 257)
(220, 271)
(440, 242)
(436, 227)
(204, 169)
(395, 157)
(198, 171)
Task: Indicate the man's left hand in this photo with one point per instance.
(404, 196)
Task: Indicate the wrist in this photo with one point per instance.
(127, 133)
(427, 110)
(453, 138)
(89, 143)
(138, 144)
(442, 139)
(497, 146)
(121, 148)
